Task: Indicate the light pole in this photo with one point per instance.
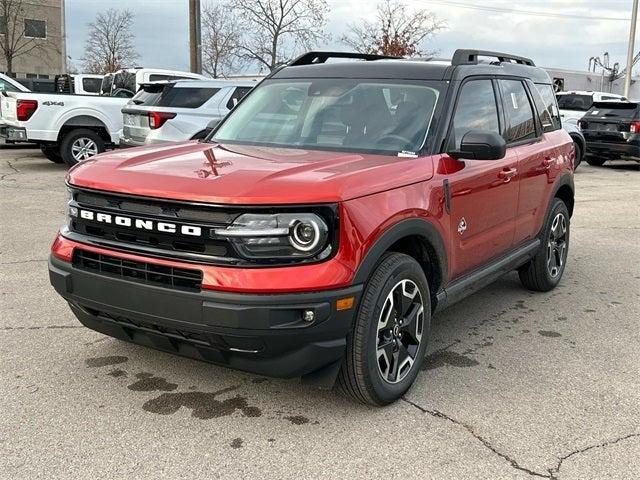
(195, 47)
(632, 39)
(63, 38)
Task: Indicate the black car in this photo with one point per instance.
(612, 132)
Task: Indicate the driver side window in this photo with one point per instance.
(476, 110)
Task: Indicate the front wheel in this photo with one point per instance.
(545, 270)
(388, 340)
(79, 145)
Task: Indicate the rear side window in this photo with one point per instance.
(517, 111)
(91, 84)
(186, 97)
(545, 101)
(476, 110)
(569, 101)
(7, 87)
(237, 95)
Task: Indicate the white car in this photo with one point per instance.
(178, 111)
(126, 82)
(67, 128)
(574, 104)
(80, 83)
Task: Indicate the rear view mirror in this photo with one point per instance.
(481, 145)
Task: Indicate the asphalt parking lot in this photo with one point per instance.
(516, 384)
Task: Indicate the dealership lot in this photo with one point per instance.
(516, 384)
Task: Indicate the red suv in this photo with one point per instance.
(317, 229)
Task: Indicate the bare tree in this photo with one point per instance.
(109, 45)
(14, 42)
(221, 39)
(274, 29)
(397, 31)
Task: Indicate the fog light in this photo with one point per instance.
(308, 316)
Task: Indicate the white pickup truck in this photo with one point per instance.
(67, 128)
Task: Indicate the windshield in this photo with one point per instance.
(375, 116)
(570, 101)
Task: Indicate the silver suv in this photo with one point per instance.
(179, 110)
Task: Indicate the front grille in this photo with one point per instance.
(142, 272)
(201, 248)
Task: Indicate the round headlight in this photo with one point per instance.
(305, 235)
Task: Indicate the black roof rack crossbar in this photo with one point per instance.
(470, 57)
(310, 58)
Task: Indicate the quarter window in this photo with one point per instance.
(545, 100)
(518, 112)
(35, 28)
(476, 110)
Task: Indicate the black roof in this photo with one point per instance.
(465, 63)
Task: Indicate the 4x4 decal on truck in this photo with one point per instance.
(52, 103)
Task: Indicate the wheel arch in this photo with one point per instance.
(85, 121)
(564, 190)
(417, 238)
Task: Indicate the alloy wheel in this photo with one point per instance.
(557, 245)
(399, 331)
(83, 148)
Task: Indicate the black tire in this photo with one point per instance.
(361, 376)
(539, 274)
(595, 161)
(578, 159)
(52, 152)
(77, 135)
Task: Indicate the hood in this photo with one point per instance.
(246, 175)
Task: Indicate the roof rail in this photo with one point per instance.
(310, 58)
(470, 57)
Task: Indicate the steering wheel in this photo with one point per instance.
(394, 138)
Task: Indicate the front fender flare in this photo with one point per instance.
(404, 228)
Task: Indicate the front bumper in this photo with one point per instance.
(14, 134)
(259, 333)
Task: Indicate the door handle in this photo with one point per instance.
(507, 174)
(547, 162)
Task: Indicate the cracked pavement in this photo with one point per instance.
(516, 384)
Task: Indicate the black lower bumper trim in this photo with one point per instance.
(264, 334)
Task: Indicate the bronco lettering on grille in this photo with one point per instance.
(140, 224)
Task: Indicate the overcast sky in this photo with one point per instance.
(555, 33)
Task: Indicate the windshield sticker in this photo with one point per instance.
(514, 101)
(405, 153)
(595, 112)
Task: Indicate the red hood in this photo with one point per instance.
(248, 175)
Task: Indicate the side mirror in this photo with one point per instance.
(481, 145)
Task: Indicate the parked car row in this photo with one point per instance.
(609, 125)
(73, 127)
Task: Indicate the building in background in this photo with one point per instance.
(39, 26)
(566, 80)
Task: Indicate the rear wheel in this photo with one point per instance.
(388, 340)
(79, 145)
(52, 152)
(545, 270)
(595, 161)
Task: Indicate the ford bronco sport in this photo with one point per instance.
(317, 229)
